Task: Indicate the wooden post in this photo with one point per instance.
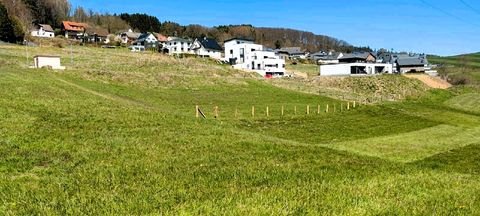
(216, 111)
(326, 109)
(253, 111)
(308, 109)
(268, 114)
(354, 104)
(283, 110)
(348, 105)
(197, 114)
(295, 110)
(318, 109)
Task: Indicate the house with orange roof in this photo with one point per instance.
(73, 30)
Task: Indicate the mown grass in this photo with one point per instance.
(105, 139)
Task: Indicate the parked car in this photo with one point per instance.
(136, 48)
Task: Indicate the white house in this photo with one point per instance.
(176, 45)
(148, 40)
(359, 68)
(245, 54)
(207, 47)
(43, 30)
(41, 61)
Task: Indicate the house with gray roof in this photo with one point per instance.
(411, 64)
(359, 57)
(128, 37)
(207, 47)
(291, 53)
(43, 30)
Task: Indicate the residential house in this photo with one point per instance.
(412, 64)
(128, 37)
(73, 30)
(360, 57)
(176, 45)
(96, 35)
(358, 68)
(291, 53)
(207, 47)
(330, 58)
(148, 40)
(245, 54)
(162, 39)
(43, 30)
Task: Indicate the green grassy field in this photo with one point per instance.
(463, 69)
(116, 134)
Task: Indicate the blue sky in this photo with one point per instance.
(444, 27)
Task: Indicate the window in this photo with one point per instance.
(283, 66)
(181, 43)
(231, 52)
(253, 50)
(175, 43)
(175, 49)
(182, 49)
(276, 65)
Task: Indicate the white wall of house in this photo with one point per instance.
(250, 56)
(48, 61)
(42, 33)
(208, 52)
(346, 69)
(179, 46)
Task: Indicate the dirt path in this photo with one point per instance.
(433, 82)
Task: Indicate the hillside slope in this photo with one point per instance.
(116, 134)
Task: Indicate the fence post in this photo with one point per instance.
(197, 114)
(216, 111)
(253, 111)
(334, 108)
(348, 105)
(268, 114)
(295, 110)
(326, 109)
(283, 109)
(318, 109)
(308, 109)
(354, 104)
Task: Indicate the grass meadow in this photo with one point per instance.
(116, 134)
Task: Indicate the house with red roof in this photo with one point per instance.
(73, 30)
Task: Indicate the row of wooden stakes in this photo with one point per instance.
(216, 114)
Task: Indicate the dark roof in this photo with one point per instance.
(101, 32)
(363, 55)
(242, 39)
(209, 43)
(144, 36)
(410, 62)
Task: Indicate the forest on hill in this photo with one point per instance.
(18, 16)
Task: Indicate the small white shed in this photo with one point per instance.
(41, 61)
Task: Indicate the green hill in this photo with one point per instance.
(116, 133)
(461, 69)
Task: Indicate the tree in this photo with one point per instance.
(278, 44)
(6, 30)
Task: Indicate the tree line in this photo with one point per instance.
(18, 16)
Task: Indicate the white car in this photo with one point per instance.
(136, 48)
